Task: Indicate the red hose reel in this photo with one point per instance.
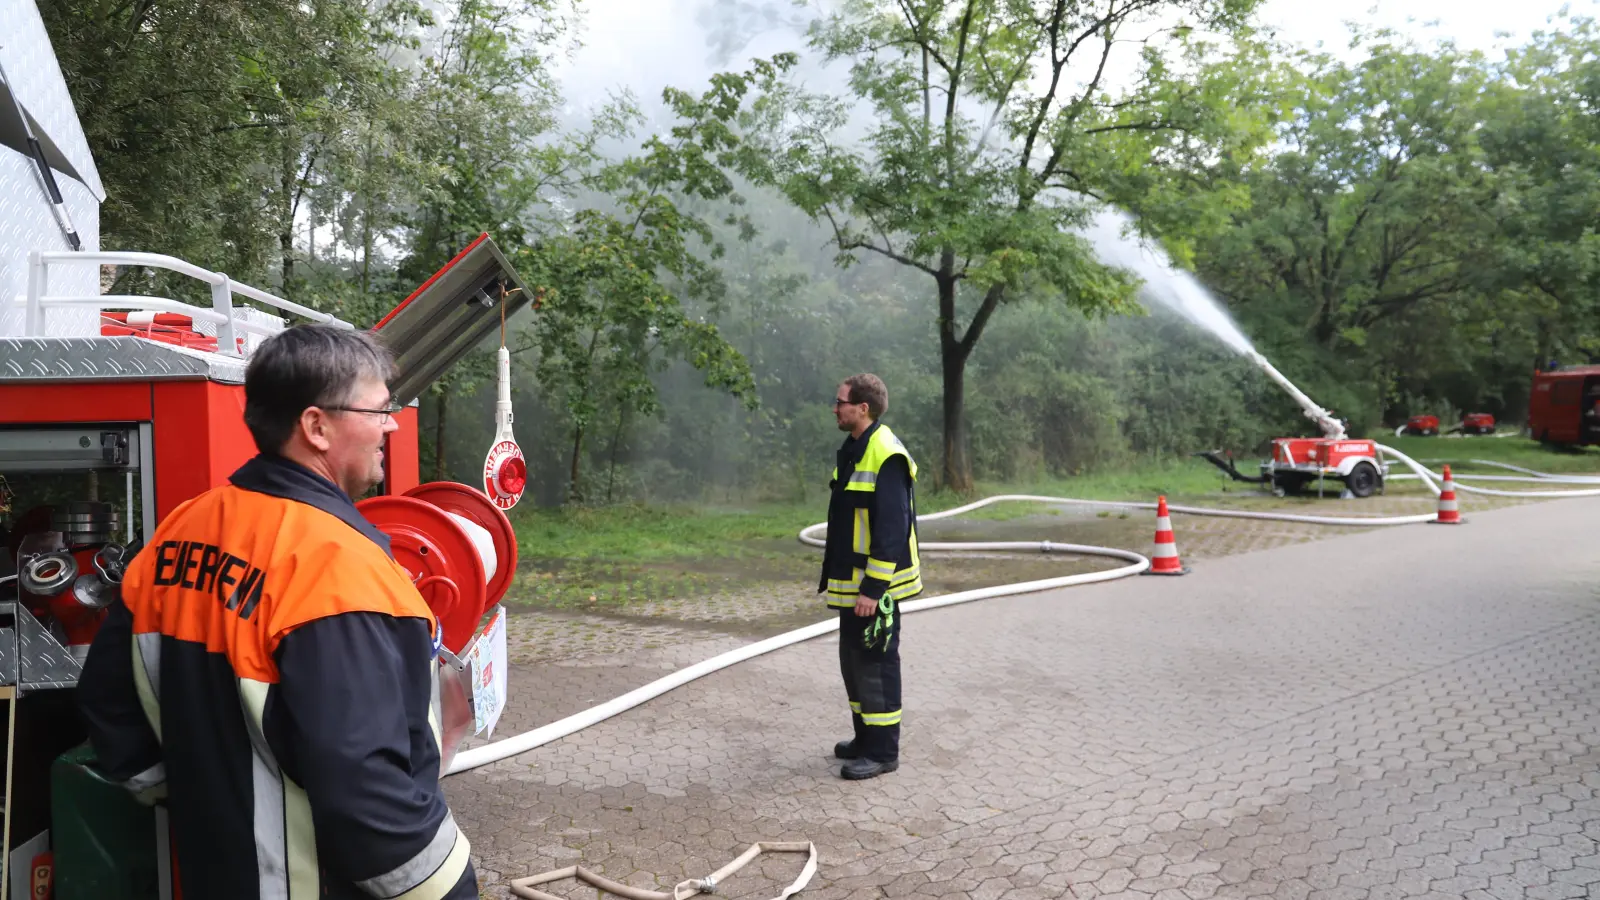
(449, 537)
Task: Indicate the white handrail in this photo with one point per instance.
(223, 289)
(288, 305)
(129, 301)
(132, 258)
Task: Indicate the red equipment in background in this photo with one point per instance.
(1298, 461)
(1422, 426)
(1477, 423)
(1564, 406)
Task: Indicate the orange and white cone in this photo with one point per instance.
(1164, 561)
(1449, 509)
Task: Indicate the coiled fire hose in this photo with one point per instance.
(1134, 564)
(524, 887)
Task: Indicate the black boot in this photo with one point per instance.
(864, 768)
(851, 749)
(877, 752)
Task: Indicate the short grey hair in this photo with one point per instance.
(305, 366)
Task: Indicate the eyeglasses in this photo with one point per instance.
(838, 403)
(382, 414)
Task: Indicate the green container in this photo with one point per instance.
(104, 840)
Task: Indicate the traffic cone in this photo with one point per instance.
(1449, 510)
(1164, 561)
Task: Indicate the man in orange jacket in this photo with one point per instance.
(282, 664)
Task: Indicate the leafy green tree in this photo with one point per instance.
(1540, 136)
(489, 138)
(613, 286)
(1367, 227)
(983, 149)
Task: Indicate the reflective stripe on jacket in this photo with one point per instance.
(872, 540)
(283, 663)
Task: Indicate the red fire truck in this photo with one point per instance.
(116, 409)
(1565, 406)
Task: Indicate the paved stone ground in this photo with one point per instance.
(1410, 712)
(777, 595)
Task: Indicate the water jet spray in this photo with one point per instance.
(1295, 462)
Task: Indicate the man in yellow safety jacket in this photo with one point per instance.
(270, 670)
(870, 565)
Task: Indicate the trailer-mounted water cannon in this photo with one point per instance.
(1296, 463)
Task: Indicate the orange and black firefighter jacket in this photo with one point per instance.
(271, 671)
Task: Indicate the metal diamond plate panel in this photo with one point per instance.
(10, 663)
(110, 359)
(44, 662)
(26, 224)
(31, 657)
(30, 61)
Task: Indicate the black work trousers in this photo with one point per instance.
(872, 682)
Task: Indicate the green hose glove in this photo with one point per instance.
(882, 624)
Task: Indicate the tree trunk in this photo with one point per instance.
(616, 440)
(438, 433)
(953, 354)
(366, 223)
(286, 215)
(957, 468)
(574, 492)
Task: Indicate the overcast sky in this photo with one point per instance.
(648, 44)
(1471, 23)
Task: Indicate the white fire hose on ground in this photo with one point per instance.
(1528, 476)
(1135, 563)
(1433, 480)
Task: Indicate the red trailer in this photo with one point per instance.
(1297, 463)
(1565, 406)
(1477, 423)
(1422, 426)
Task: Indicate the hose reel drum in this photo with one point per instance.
(458, 547)
(460, 551)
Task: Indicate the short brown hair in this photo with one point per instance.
(869, 389)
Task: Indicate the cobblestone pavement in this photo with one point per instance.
(781, 596)
(1411, 712)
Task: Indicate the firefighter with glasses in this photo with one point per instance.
(869, 567)
(269, 669)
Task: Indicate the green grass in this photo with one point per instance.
(1519, 451)
(652, 533)
(608, 557)
(585, 584)
(647, 534)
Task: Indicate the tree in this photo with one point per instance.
(986, 152)
(491, 113)
(1363, 239)
(210, 123)
(607, 321)
(612, 286)
(1540, 136)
